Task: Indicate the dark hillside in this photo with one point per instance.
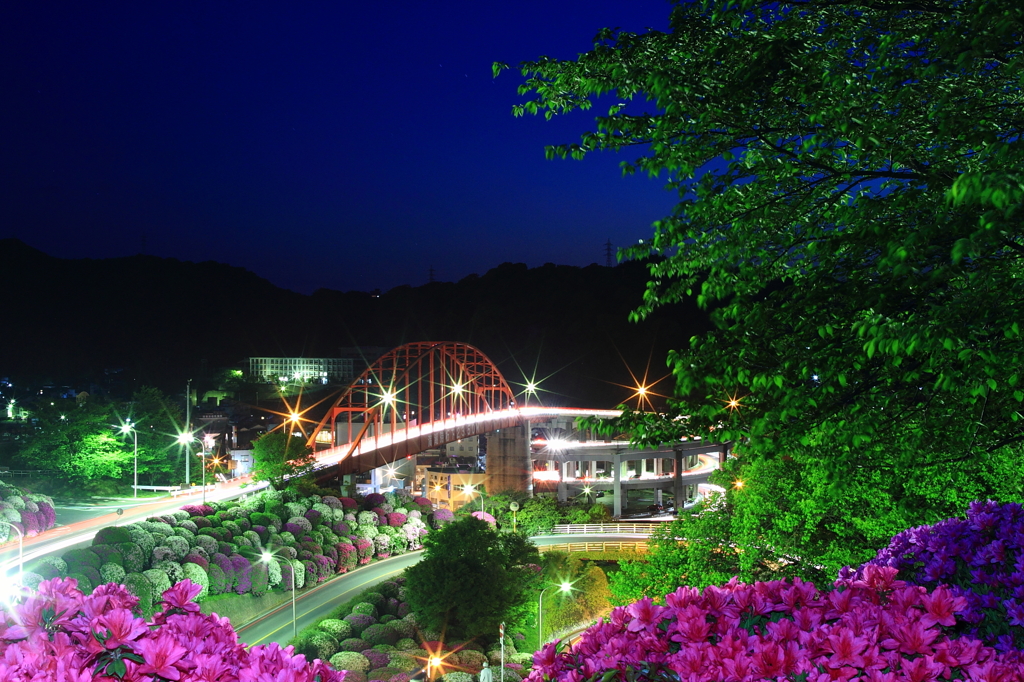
(161, 321)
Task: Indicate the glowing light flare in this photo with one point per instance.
(546, 475)
(738, 484)
(733, 402)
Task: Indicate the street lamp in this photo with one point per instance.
(186, 439)
(267, 556)
(564, 587)
(125, 428)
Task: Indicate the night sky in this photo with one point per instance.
(335, 144)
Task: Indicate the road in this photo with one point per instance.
(317, 603)
(63, 537)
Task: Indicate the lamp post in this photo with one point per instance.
(267, 556)
(125, 428)
(564, 587)
(186, 439)
(21, 553)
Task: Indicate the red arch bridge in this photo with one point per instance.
(423, 395)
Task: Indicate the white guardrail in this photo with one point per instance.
(604, 528)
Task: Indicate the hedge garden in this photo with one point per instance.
(376, 637)
(29, 513)
(220, 546)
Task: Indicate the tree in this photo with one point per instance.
(849, 211)
(782, 517)
(277, 456)
(77, 440)
(471, 579)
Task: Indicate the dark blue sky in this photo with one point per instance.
(317, 144)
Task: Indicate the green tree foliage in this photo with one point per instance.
(471, 578)
(83, 440)
(849, 186)
(279, 455)
(783, 517)
(589, 599)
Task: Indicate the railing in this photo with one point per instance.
(635, 546)
(598, 528)
(193, 490)
(25, 472)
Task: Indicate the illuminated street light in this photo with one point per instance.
(125, 428)
(266, 557)
(187, 439)
(564, 587)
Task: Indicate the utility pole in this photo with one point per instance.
(608, 253)
(188, 427)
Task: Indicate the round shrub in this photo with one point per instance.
(377, 659)
(506, 674)
(111, 535)
(194, 558)
(175, 573)
(207, 542)
(395, 519)
(84, 584)
(387, 618)
(188, 535)
(159, 579)
(441, 517)
(201, 523)
(385, 674)
(406, 644)
(139, 585)
(178, 545)
(472, 659)
(219, 583)
(243, 573)
(348, 503)
(402, 661)
(112, 573)
(404, 628)
(274, 573)
(200, 577)
(324, 646)
(260, 576)
(339, 629)
(359, 623)
(367, 607)
(77, 559)
(352, 661)
(380, 634)
(353, 644)
(299, 571)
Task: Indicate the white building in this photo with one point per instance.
(305, 370)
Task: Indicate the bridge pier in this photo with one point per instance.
(508, 460)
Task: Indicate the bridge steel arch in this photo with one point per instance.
(417, 396)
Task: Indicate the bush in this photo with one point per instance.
(159, 580)
(196, 574)
(178, 545)
(76, 559)
(173, 569)
(139, 585)
(84, 584)
(406, 644)
(339, 629)
(353, 644)
(377, 659)
(323, 646)
(260, 576)
(403, 662)
(380, 634)
(352, 661)
(367, 607)
(112, 573)
(385, 674)
(219, 583)
(457, 676)
(243, 573)
(111, 535)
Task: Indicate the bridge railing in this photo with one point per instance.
(625, 528)
(637, 546)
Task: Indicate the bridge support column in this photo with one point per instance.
(617, 487)
(508, 460)
(677, 486)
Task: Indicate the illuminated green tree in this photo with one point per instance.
(471, 579)
(279, 456)
(848, 175)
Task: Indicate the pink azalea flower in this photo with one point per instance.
(161, 655)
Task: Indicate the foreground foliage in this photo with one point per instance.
(877, 629)
(850, 199)
(62, 635)
(471, 578)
